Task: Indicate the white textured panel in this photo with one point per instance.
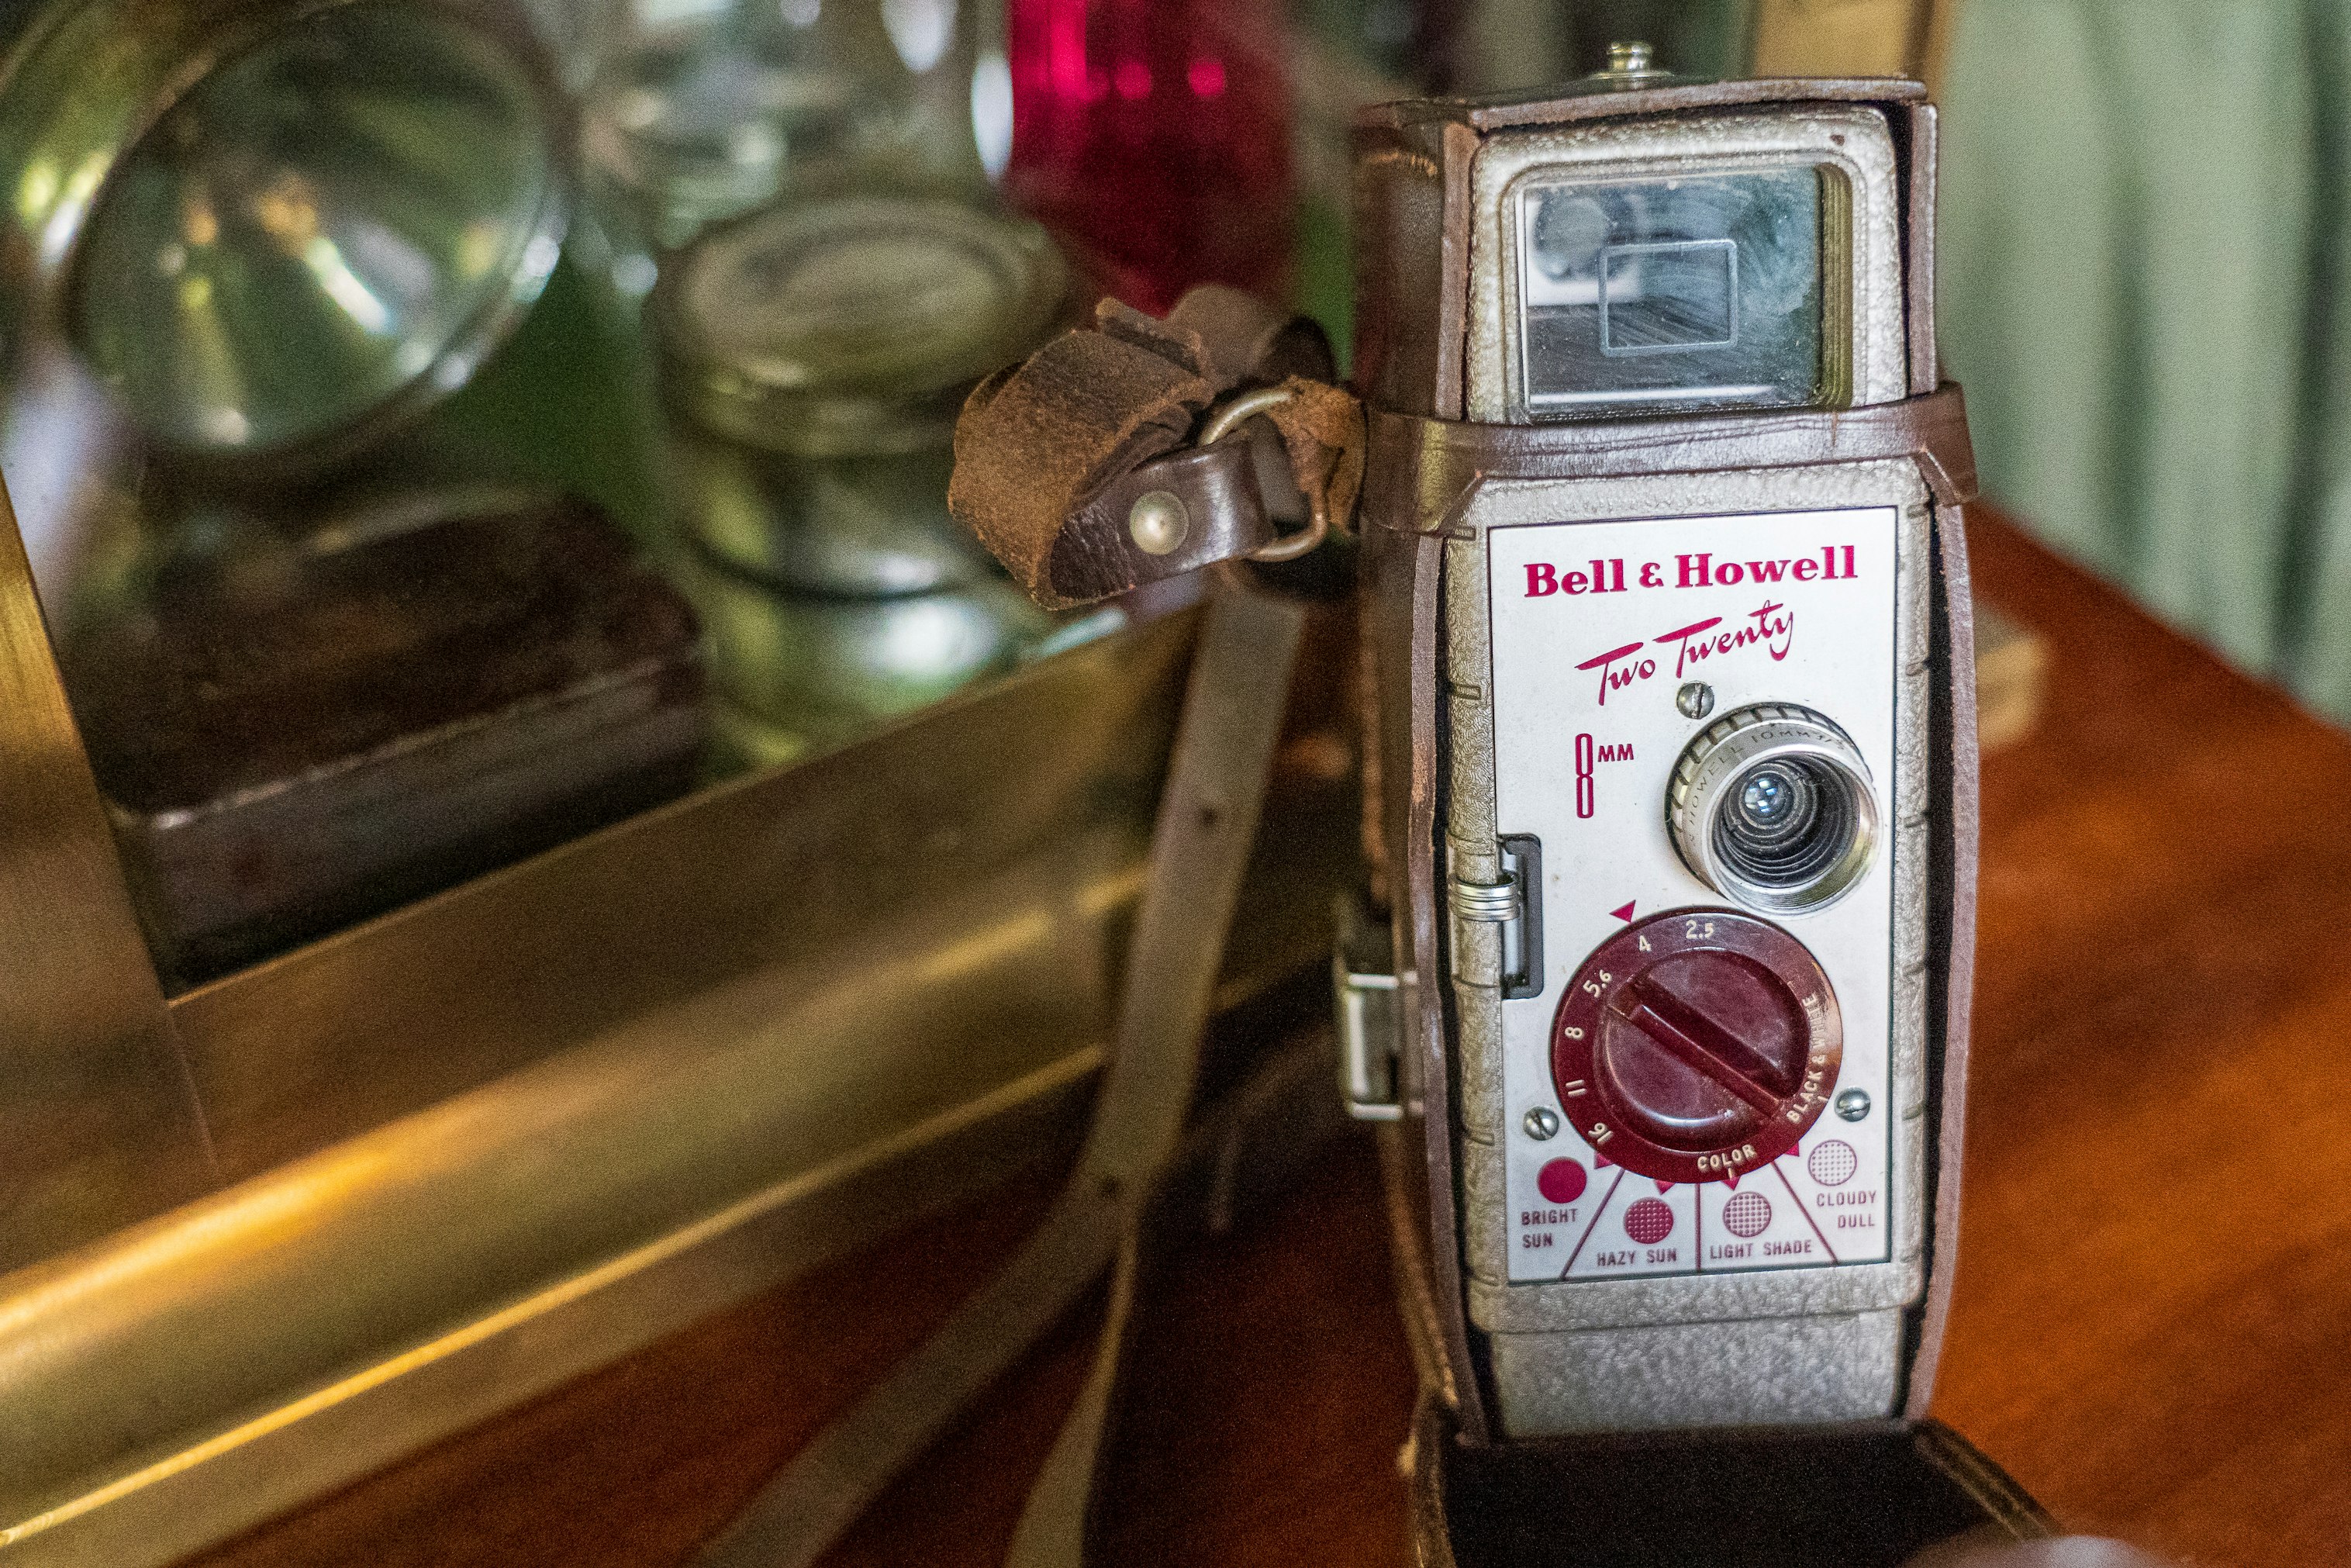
(1591, 642)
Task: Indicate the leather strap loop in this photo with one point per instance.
(1051, 456)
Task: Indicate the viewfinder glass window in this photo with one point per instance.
(1716, 291)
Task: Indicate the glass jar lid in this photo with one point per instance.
(852, 326)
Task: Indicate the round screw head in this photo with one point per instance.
(1543, 1122)
(1695, 699)
(1158, 522)
(1853, 1104)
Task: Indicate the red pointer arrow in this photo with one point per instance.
(1623, 911)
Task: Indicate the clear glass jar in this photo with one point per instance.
(696, 113)
(813, 357)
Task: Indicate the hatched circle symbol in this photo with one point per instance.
(1832, 1162)
(1649, 1221)
(1747, 1214)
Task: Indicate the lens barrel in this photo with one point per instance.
(1771, 806)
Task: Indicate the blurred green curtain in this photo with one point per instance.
(2143, 256)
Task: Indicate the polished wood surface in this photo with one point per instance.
(2152, 1323)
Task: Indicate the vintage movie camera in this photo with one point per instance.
(1672, 742)
(1669, 761)
(1666, 605)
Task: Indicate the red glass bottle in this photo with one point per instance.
(1152, 135)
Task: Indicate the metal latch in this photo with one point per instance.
(1363, 990)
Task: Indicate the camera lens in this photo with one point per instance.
(1784, 823)
(1771, 798)
(1771, 806)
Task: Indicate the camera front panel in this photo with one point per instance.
(1699, 1068)
(1686, 720)
(1677, 1181)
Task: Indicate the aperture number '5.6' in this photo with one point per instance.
(1589, 754)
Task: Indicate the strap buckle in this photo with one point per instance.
(1229, 416)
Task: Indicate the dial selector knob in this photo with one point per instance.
(1696, 1045)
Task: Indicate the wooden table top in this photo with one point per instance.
(2152, 1322)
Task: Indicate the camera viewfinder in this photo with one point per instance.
(1703, 291)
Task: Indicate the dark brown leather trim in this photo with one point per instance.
(1870, 1492)
(1403, 1182)
(1249, 338)
(1425, 1473)
(1452, 390)
(1425, 1021)
(1432, 464)
(2008, 1507)
(1951, 935)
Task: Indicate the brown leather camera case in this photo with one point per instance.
(1425, 463)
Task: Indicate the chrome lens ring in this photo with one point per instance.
(1771, 806)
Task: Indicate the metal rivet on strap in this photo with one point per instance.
(1158, 521)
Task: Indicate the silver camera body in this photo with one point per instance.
(1674, 968)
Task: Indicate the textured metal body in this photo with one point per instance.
(1723, 1349)
(1832, 1344)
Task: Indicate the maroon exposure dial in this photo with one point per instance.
(1697, 1045)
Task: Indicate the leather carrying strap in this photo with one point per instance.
(1207, 822)
(1052, 454)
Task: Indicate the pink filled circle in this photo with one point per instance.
(1832, 1162)
(1561, 1181)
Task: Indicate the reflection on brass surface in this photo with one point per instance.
(502, 1136)
(1843, 38)
(299, 726)
(1044, 779)
(160, 1492)
(96, 1124)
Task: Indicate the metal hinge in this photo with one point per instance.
(1519, 912)
(1363, 990)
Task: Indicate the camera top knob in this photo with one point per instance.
(1697, 1045)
